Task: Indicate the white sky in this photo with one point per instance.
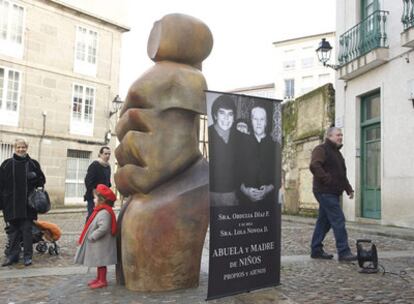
(243, 33)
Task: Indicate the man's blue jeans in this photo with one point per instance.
(330, 216)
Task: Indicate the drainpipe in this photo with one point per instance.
(39, 152)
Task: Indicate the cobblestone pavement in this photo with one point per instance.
(303, 280)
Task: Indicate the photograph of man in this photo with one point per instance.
(257, 159)
(222, 146)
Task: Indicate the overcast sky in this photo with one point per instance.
(243, 33)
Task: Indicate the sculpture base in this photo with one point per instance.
(163, 232)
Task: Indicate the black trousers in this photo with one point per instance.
(20, 229)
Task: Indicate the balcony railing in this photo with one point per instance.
(364, 37)
(408, 14)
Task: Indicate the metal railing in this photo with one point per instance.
(408, 14)
(364, 37)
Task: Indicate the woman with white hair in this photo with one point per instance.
(19, 176)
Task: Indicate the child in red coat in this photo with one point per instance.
(97, 241)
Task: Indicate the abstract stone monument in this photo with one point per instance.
(164, 222)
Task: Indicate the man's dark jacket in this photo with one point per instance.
(258, 166)
(222, 161)
(97, 174)
(19, 176)
(329, 170)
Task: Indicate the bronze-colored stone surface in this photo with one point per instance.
(163, 233)
(163, 225)
(180, 38)
(158, 127)
(168, 85)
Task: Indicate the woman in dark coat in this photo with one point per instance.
(19, 176)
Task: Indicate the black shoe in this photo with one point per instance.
(322, 255)
(27, 261)
(347, 258)
(9, 261)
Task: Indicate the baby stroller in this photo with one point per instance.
(45, 235)
(51, 233)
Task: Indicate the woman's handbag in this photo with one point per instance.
(39, 200)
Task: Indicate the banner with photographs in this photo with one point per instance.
(244, 141)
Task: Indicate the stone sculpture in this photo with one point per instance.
(164, 222)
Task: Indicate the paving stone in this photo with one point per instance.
(303, 280)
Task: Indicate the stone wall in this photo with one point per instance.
(46, 93)
(304, 123)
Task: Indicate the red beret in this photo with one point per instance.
(106, 192)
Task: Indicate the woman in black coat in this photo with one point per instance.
(19, 176)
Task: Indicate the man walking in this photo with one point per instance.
(99, 172)
(329, 182)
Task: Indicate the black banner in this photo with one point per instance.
(245, 169)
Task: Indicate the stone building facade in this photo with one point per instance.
(59, 72)
(304, 122)
(375, 107)
(296, 67)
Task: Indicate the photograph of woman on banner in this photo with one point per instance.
(256, 158)
(222, 145)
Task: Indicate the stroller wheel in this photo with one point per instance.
(54, 250)
(41, 247)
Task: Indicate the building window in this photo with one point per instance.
(86, 51)
(289, 65)
(324, 78)
(203, 136)
(307, 84)
(76, 167)
(83, 101)
(289, 89)
(9, 96)
(11, 29)
(307, 62)
(6, 151)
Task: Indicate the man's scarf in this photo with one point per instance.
(94, 213)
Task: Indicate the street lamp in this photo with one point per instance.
(116, 105)
(324, 53)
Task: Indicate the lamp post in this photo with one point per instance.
(116, 105)
(324, 53)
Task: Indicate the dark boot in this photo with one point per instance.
(10, 261)
(322, 255)
(27, 261)
(347, 258)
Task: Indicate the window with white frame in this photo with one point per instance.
(6, 151)
(289, 65)
(9, 96)
(76, 167)
(11, 28)
(86, 51)
(83, 101)
(203, 139)
(307, 62)
(324, 78)
(307, 83)
(289, 89)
